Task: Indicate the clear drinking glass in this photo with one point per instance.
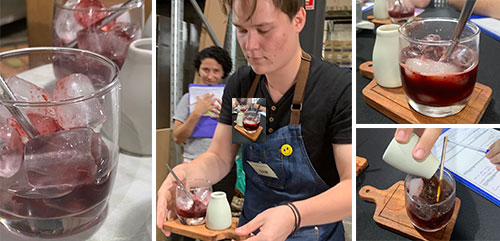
(434, 85)
(58, 183)
(77, 20)
(193, 211)
(422, 207)
(251, 121)
(401, 10)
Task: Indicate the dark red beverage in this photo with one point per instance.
(425, 211)
(438, 89)
(197, 210)
(401, 13)
(250, 125)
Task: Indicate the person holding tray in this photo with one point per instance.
(299, 182)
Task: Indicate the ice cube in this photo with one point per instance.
(43, 124)
(65, 27)
(86, 113)
(415, 187)
(431, 37)
(184, 202)
(90, 11)
(425, 66)
(462, 56)
(203, 195)
(66, 159)
(27, 92)
(11, 148)
(433, 52)
(113, 43)
(412, 51)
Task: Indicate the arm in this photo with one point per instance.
(212, 165)
(490, 8)
(183, 130)
(421, 3)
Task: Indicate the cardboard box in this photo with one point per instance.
(338, 5)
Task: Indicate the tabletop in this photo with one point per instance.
(488, 71)
(477, 219)
(129, 213)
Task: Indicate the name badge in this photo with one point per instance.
(263, 169)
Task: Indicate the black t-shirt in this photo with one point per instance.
(325, 116)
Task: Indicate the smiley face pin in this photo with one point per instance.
(286, 150)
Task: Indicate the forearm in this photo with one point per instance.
(330, 206)
(483, 7)
(184, 130)
(208, 166)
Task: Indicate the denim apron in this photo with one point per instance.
(296, 177)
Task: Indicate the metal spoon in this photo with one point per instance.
(103, 22)
(443, 157)
(17, 113)
(462, 20)
(180, 183)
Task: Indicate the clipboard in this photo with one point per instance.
(481, 176)
(205, 128)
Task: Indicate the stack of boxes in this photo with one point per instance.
(338, 43)
(339, 52)
(337, 5)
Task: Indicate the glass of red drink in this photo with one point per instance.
(435, 85)
(251, 121)
(425, 211)
(193, 211)
(57, 183)
(401, 10)
(79, 19)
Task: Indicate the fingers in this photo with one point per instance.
(161, 208)
(403, 135)
(426, 142)
(250, 227)
(494, 150)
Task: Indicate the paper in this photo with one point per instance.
(470, 166)
(200, 90)
(205, 128)
(489, 25)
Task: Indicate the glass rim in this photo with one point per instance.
(138, 4)
(453, 182)
(476, 31)
(99, 92)
(200, 180)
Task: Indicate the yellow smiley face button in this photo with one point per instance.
(286, 150)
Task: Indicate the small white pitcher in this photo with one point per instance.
(386, 56)
(136, 82)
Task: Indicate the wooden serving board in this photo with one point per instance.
(201, 232)
(377, 22)
(390, 212)
(361, 164)
(392, 103)
(252, 136)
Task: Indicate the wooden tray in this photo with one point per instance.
(201, 232)
(377, 22)
(253, 136)
(392, 103)
(361, 164)
(390, 212)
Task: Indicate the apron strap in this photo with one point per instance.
(298, 95)
(300, 86)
